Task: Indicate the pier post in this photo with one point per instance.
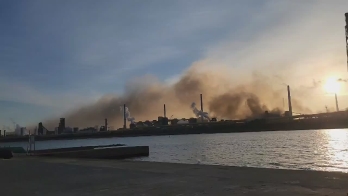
(289, 101)
(124, 116)
(164, 110)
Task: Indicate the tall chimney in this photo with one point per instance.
(106, 124)
(124, 116)
(289, 101)
(201, 96)
(201, 102)
(164, 110)
(336, 102)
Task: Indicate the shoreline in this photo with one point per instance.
(145, 133)
(53, 176)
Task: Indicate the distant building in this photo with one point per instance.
(21, 130)
(140, 124)
(88, 130)
(10, 134)
(174, 121)
(68, 130)
(148, 123)
(180, 122)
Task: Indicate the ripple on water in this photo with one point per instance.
(325, 150)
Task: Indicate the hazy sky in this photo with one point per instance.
(57, 55)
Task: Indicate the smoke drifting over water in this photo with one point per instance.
(222, 98)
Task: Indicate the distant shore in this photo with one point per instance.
(182, 130)
(335, 120)
(50, 177)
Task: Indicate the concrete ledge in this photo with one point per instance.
(35, 176)
(117, 152)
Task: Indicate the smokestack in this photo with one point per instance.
(124, 116)
(201, 105)
(346, 28)
(336, 102)
(164, 110)
(289, 101)
(106, 124)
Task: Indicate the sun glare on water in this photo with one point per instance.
(332, 85)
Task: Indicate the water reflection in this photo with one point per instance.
(305, 150)
(337, 149)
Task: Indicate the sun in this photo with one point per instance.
(332, 85)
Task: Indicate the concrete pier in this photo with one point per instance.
(103, 152)
(68, 177)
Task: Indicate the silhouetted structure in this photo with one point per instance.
(164, 110)
(336, 102)
(201, 96)
(138, 124)
(106, 124)
(192, 120)
(61, 126)
(132, 126)
(40, 129)
(162, 120)
(124, 116)
(102, 128)
(148, 123)
(289, 101)
(174, 121)
(89, 130)
(154, 122)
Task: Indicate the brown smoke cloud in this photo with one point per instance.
(222, 97)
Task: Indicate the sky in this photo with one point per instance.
(59, 55)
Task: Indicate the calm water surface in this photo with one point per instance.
(305, 150)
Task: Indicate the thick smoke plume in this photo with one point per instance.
(199, 113)
(222, 98)
(127, 114)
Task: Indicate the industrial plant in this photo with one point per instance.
(201, 123)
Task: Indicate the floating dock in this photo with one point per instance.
(92, 152)
(97, 152)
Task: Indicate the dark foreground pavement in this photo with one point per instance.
(57, 177)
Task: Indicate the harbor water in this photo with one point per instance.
(325, 150)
